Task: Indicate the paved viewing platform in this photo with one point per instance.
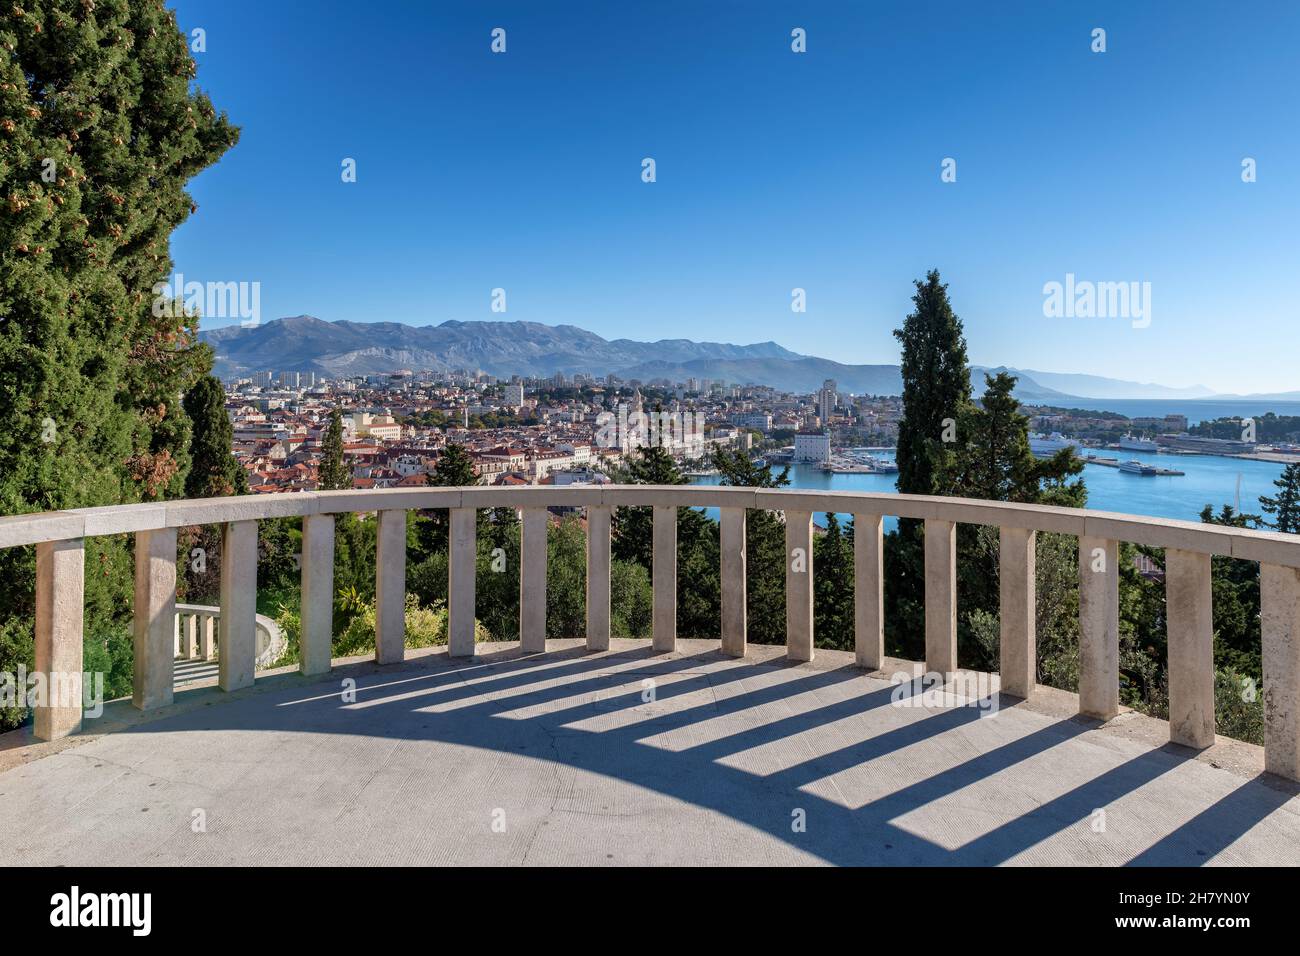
(630, 756)
(602, 750)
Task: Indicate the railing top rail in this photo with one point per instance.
(1249, 544)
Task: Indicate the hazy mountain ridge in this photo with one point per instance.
(343, 348)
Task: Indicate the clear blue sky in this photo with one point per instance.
(775, 170)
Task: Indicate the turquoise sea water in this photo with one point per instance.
(1208, 480)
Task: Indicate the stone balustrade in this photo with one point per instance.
(198, 628)
(59, 537)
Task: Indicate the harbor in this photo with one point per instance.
(859, 461)
(1212, 480)
(1133, 467)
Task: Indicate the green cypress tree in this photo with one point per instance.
(214, 472)
(1285, 505)
(333, 473)
(99, 133)
(936, 389)
(936, 395)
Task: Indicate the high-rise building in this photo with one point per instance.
(826, 401)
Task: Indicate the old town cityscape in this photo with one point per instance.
(563, 430)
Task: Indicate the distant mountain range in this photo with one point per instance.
(339, 349)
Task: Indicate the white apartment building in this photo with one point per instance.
(812, 447)
(381, 427)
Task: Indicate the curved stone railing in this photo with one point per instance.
(1189, 547)
(198, 630)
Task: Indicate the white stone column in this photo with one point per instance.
(798, 586)
(191, 636)
(868, 591)
(1280, 624)
(155, 618)
(598, 558)
(237, 656)
(1190, 636)
(1018, 610)
(317, 625)
(390, 587)
(532, 581)
(207, 637)
(60, 604)
(1098, 627)
(734, 596)
(664, 578)
(940, 596)
(461, 582)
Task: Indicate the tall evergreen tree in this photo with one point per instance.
(333, 473)
(936, 395)
(1285, 505)
(213, 473)
(100, 131)
(993, 461)
(936, 389)
(213, 469)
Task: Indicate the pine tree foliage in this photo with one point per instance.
(454, 469)
(1285, 505)
(699, 594)
(764, 546)
(100, 131)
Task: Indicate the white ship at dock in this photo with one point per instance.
(1130, 443)
(1045, 446)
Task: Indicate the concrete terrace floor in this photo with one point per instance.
(566, 759)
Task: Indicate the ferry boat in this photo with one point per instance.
(1045, 446)
(1135, 467)
(1129, 443)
